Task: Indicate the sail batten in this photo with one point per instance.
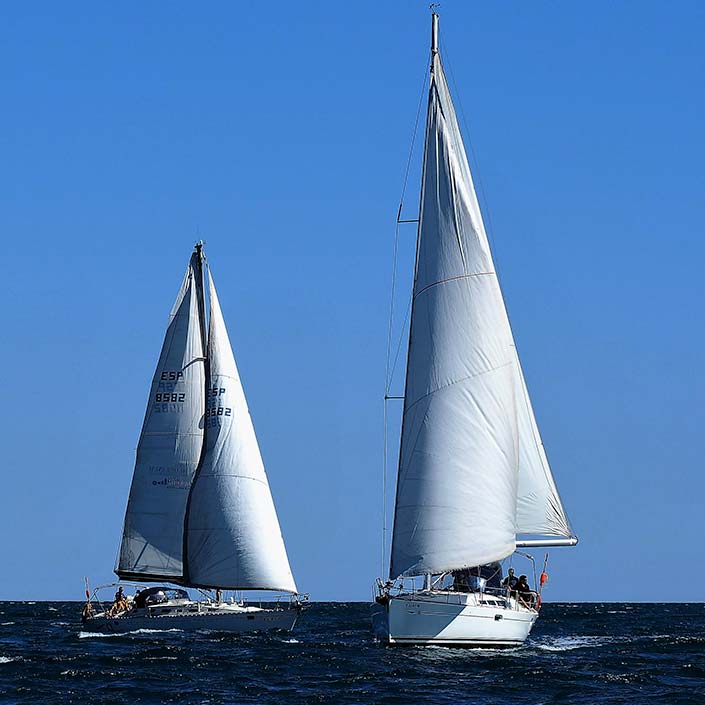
(472, 470)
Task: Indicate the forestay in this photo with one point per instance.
(233, 539)
(170, 445)
(468, 428)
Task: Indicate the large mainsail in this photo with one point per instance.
(472, 471)
(170, 443)
(232, 534)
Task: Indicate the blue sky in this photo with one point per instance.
(279, 134)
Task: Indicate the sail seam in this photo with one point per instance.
(456, 381)
(240, 477)
(451, 279)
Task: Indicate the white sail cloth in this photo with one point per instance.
(469, 438)
(233, 539)
(169, 447)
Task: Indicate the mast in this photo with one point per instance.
(200, 292)
(200, 276)
(434, 34)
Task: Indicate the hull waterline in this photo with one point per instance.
(227, 620)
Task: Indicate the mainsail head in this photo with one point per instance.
(170, 444)
(471, 467)
(232, 534)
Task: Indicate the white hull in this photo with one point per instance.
(452, 619)
(217, 618)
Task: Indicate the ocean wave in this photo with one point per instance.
(95, 635)
(290, 641)
(6, 624)
(569, 643)
(103, 635)
(8, 659)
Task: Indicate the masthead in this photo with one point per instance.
(434, 28)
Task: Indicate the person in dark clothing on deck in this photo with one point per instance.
(526, 594)
(511, 580)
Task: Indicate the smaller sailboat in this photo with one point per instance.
(473, 482)
(200, 512)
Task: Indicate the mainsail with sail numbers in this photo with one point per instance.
(170, 444)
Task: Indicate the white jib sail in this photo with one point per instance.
(233, 539)
(466, 429)
(539, 507)
(170, 445)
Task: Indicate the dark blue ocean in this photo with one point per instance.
(577, 653)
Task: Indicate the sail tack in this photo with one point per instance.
(170, 445)
(233, 539)
(472, 471)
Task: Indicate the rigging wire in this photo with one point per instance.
(388, 375)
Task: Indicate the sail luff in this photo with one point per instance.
(413, 298)
(201, 302)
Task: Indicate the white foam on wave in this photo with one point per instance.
(95, 635)
(53, 609)
(570, 643)
(104, 635)
(291, 641)
(6, 624)
(7, 659)
(154, 631)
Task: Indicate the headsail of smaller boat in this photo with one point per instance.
(232, 533)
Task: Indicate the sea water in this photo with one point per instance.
(577, 654)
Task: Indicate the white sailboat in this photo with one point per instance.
(200, 513)
(473, 481)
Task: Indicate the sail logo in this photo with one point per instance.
(175, 469)
(172, 482)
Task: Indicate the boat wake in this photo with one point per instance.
(570, 643)
(108, 635)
